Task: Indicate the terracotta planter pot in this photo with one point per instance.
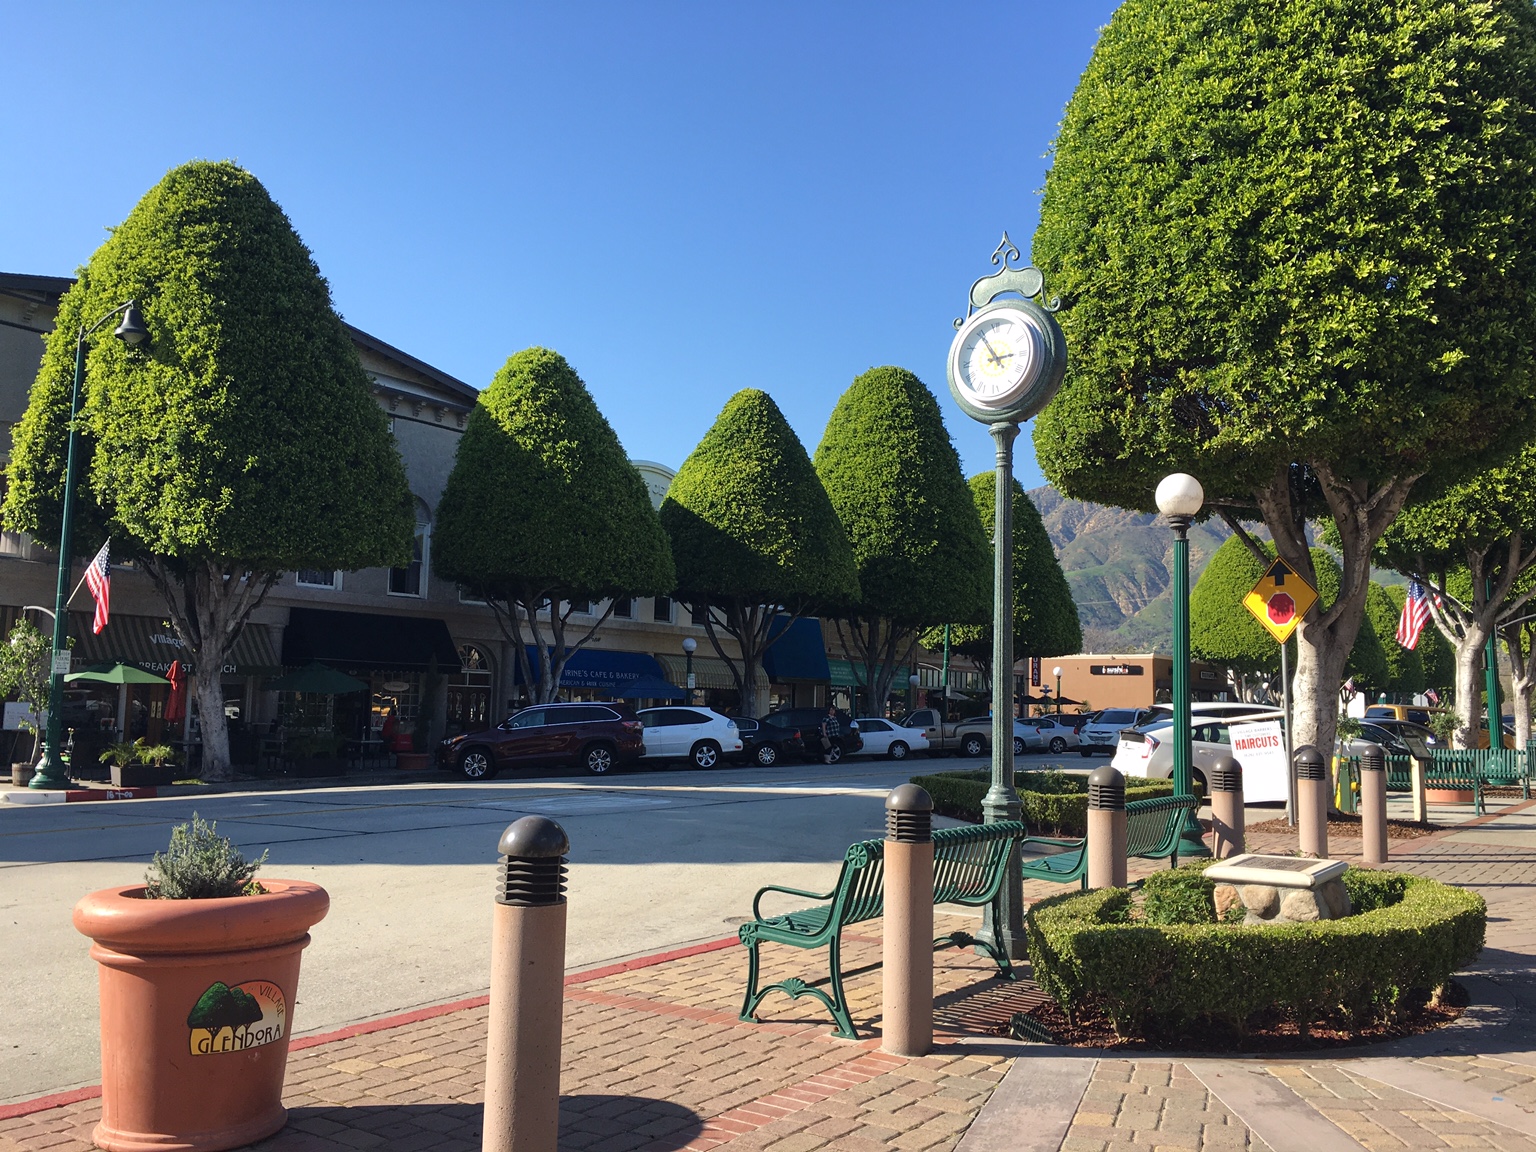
(412, 761)
(1448, 795)
(196, 1010)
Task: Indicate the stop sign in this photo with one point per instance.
(1281, 608)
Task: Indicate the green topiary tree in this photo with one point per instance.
(1045, 621)
(1224, 632)
(1294, 245)
(894, 479)
(542, 510)
(1473, 545)
(242, 443)
(754, 534)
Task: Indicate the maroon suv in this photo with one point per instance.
(598, 737)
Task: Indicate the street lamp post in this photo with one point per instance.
(1056, 671)
(689, 645)
(1005, 364)
(912, 682)
(1179, 498)
(50, 767)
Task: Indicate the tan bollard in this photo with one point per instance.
(522, 1060)
(1417, 785)
(907, 969)
(1227, 827)
(1106, 828)
(1311, 800)
(1373, 805)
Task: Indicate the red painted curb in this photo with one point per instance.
(76, 795)
(383, 1023)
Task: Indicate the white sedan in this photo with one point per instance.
(1058, 737)
(701, 736)
(889, 739)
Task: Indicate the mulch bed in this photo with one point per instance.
(1343, 824)
(1276, 1035)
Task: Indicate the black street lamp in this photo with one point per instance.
(50, 766)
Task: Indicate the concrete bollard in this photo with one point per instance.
(907, 971)
(1227, 828)
(1311, 800)
(1419, 791)
(522, 1060)
(1373, 805)
(1106, 828)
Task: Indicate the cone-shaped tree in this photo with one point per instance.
(754, 535)
(1224, 632)
(894, 479)
(543, 510)
(1404, 666)
(242, 442)
(1045, 619)
(1294, 246)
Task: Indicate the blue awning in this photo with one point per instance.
(615, 673)
(651, 689)
(800, 653)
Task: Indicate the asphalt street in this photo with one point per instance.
(658, 859)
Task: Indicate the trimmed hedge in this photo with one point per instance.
(1055, 804)
(1161, 980)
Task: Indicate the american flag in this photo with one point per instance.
(1415, 616)
(98, 578)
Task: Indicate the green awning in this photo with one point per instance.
(849, 675)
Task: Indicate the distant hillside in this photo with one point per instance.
(1117, 563)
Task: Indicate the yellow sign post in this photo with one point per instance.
(1279, 600)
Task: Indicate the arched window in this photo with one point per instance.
(412, 579)
(469, 692)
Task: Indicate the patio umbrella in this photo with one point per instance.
(176, 703)
(318, 678)
(119, 674)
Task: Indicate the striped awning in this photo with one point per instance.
(708, 671)
(152, 644)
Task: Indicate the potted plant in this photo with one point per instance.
(418, 759)
(315, 753)
(135, 764)
(198, 975)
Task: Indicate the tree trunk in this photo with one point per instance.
(878, 644)
(1325, 636)
(1522, 667)
(209, 604)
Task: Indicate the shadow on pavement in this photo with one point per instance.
(621, 1122)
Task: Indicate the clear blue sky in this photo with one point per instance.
(684, 200)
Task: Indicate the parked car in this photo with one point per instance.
(701, 736)
(1400, 729)
(975, 736)
(764, 744)
(598, 737)
(1058, 736)
(1148, 750)
(1376, 735)
(888, 738)
(1073, 720)
(1103, 734)
(807, 721)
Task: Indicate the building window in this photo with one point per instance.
(581, 607)
(700, 614)
(412, 579)
(624, 609)
(468, 597)
(663, 611)
(317, 578)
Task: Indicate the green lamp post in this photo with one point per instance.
(1005, 363)
(50, 767)
(1491, 684)
(1179, 498)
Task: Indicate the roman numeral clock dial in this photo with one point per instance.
(1006, 361)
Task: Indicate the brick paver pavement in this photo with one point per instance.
(655, 1060)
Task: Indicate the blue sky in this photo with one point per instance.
(683, 199)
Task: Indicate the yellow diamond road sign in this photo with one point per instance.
(1279, 600)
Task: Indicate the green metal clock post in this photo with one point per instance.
(1005, 363)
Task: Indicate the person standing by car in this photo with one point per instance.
(830, 731)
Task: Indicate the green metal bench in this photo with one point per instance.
(1458, 770)
(969, 867)
(1152, 832)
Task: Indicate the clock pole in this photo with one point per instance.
(1001, 381)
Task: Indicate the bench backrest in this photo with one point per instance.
(860, 893)
(1151, 827)
(969, 864)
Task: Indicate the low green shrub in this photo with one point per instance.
(201, 865)
(1090, 954)
(1179, 896)
(1055, 803)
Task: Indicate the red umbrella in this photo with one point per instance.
(176, 704)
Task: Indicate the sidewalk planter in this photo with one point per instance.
(413, 761)
(196, 1010)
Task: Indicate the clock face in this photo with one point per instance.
(996, 357)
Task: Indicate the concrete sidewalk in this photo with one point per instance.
(655, 1059)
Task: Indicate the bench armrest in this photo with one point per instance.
(761, 892)
(1077, 843)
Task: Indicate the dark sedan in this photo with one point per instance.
(597, 737)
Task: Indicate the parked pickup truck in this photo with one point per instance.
(971, 737)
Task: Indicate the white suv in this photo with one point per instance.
(1103, 734)
(701, 736)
